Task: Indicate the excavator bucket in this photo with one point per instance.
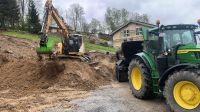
(46, 49)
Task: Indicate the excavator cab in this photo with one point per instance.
(73, 45)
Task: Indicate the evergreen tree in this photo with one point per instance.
(3, 12)
(9, 13)
(33, 21)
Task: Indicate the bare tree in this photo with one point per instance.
(95, 25)
(139, 17)
(61, 12)
(145, 18)
(22, 5)
(115, 17)
(124, 15)
(75, 13)
(84, 26)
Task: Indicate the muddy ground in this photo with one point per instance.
(29, 85)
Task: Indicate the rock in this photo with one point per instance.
(8, 51)
(97, 68)
(92, 51)
(94, 63)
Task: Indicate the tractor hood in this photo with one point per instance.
(189, 48)
(189, 53)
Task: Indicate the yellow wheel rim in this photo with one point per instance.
(136, 78)
(187, 95)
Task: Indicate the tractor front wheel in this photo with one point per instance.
(182, 91)
(140, 79)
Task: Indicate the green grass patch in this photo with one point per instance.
(99, 48)
(34, 37)
(28, 36)
(22, 35)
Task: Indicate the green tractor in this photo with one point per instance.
(167, 62)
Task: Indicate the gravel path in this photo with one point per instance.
(116, 97)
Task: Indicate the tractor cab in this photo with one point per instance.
(173, 44)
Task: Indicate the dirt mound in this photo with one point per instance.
(21, 71)
(32, 75)
(3, 60)
(14, 48)
(26, 84)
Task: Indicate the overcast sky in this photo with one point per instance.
(168, 11)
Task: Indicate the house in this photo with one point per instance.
(99, 37)
(104, 36)
(128, 32)
(56, 30)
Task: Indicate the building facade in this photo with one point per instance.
(129, 32)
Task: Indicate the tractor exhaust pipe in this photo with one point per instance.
(158, 23)
(198, 21)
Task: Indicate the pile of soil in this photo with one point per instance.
(31, 75)
(3, 60)
(25, 74)
(29, 85)
(14, 49)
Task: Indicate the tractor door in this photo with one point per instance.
(154, 46)
(170, 42)
(167, 50)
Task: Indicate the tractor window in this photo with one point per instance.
(187, 37)
(176, 37)
(198, 38)
(151, 44)
(152, 37)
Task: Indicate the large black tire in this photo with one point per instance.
(170, 85)
(120, 76)
(146, 90)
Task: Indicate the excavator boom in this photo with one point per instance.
(46, 45)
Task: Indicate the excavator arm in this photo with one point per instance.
(46, 45)
(72, 45)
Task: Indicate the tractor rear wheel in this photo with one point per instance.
(182, 91)
(140, 79)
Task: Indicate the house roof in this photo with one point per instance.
(56, 27)
(134, 22)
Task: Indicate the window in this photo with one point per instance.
(138, 31)
(126, 33)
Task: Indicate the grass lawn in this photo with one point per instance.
(33, 37)
(28, 36)
(89, 47)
